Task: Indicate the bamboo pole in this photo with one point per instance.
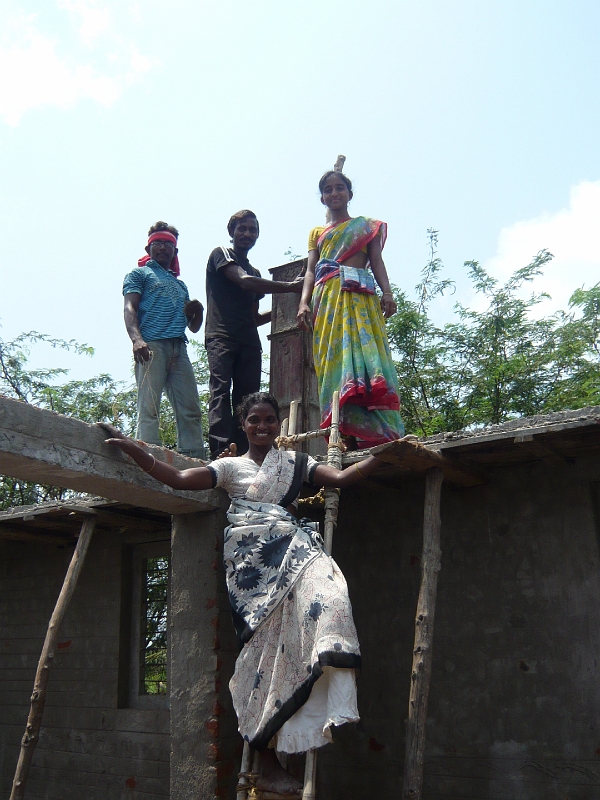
(334, 459)
(40, 687)
(289, 441)
(310, 776)
(422, 653)
(337, 167)
(293, 417)
(332, 502)
(243, 782)
(283, 433)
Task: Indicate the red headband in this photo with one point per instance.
(162, 236)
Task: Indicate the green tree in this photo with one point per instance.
(493, 365)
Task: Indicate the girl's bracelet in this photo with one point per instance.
(149, 471)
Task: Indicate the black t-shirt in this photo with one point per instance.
(229, 308)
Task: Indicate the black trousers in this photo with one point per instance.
(230, 363)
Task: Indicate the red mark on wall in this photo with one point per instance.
(213, 752)
(414, 560)
(64, 645)
(375, 746)
(211, 602)
(131, 783)
(598, 752)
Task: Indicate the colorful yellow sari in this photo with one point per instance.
(350, 347)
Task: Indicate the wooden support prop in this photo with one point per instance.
(293, 417)
(310, 776)
(334, 459)
(337, 167)
(284, 432)
(422, 653)
(332, 502)
(243, 781)
(40, 687)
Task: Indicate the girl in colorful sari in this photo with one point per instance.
(294, 677)
(350, 347)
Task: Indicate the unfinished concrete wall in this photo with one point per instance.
(514, 709)
(89, 749)
(205, 746)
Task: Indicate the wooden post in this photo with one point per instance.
(422, 653)
(293, 419)
(337, 167)
(332, 502)
(310, 776)
(334, 459)
(40, 687)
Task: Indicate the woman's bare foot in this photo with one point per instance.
(274, 778)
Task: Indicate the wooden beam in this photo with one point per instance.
(47, 448)
(15, 534)
(414, 457)
(422, 652)
(529, 444)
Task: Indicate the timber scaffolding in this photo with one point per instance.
(39, 445)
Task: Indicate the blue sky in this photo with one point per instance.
(480, 119)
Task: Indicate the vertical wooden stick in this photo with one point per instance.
(310, 775)
(245, 767)
(337, 167)
(334, 459)
(284, 431)
(422, 653)
(40, 687)
(332, 501)
(293, 418)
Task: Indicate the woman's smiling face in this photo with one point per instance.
(261, 425)
(335, 193)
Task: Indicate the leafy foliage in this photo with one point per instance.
(496, 364)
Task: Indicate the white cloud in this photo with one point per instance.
(94, 17)
(39, 69)
(572, 235)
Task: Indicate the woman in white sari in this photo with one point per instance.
(294, 677)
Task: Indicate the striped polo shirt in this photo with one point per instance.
(160, 313)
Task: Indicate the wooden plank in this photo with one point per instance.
(47, 448)
(414, 457)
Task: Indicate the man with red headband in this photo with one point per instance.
(157, 311)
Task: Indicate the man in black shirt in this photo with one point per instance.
(233, 290)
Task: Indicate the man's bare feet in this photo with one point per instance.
(274, 778)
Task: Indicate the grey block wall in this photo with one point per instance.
(89, 749)
(514, 708)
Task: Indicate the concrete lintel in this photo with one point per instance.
(48, 448)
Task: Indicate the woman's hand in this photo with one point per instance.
(123, 442)
(303, 316)
(388, 305)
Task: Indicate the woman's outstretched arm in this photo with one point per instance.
(303, 316)
(325, 475)
(194, 478)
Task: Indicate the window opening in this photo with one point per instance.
(153, 652)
